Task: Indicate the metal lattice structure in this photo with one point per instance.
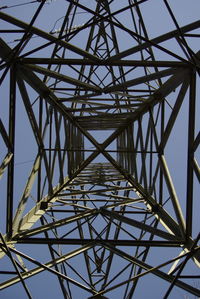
(110, 116)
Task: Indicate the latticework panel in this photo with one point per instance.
(99, 136)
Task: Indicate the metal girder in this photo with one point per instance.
(10, 181)
(68, 241)
(190, 172)
(173, 116)
(37, 211)
(23, 231)
(124, 62)
(172, 191)
(5, 162)
(4, 135)
(61, 77)
(137, 224)
(26, 194)
(197, 169)
(140, 80)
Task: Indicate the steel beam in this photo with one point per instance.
(190, 171)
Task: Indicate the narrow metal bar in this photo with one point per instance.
(124, 62)
(197, 141)
(54, 224)
(30, 113)
(143, 79)
(174, 114)
(197, 169)
(5, 135)
(5, 163)
(190, 172)
(10, 180)
(59, 76)
(138, 224)
(27, 190)
(173, 195)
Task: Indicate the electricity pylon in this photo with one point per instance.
(108, 207)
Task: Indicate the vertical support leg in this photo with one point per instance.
(190, 173)
(10, 185)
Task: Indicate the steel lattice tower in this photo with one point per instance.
(109, 114)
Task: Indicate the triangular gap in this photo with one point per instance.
(101, 48)
(173, 106)
(151, 135)
(82, 73)
(142, 81)
(181, 50)
(82, 274)
(7, 268)
(73, 51)
(98, 260)
(102, 135)
(14, 36)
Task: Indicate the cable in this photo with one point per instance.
(21, 4)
